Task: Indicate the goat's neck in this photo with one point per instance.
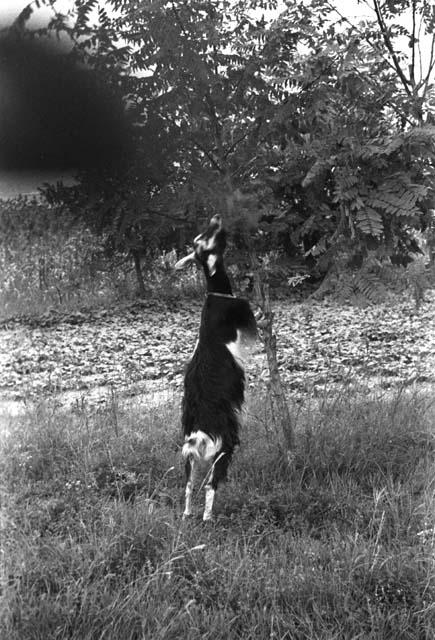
(219, 282)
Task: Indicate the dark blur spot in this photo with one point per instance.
(55, 113)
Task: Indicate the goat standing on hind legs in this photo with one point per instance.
(214, 383)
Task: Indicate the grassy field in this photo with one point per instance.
(46, 265)
(339, 545)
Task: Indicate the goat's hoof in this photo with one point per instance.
(207, 519)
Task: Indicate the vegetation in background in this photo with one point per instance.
(340, 544)
(313, 135)
(307, 130)
(316, 138)
(50, 261)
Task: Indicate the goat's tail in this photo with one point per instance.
(201, 446)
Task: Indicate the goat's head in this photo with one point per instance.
(208, 247)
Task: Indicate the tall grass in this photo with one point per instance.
(339, 545)
(50, 262)
(69, 270)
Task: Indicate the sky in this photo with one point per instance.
(97, 116)
(10, 9)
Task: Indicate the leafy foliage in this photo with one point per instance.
(306, 131)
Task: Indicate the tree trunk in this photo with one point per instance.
(138, 270)
(430, 238)
(280, 410)
(281, 413)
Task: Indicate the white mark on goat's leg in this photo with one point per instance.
(209, 499)
(189, 490)
(188, 503)
(210, 491)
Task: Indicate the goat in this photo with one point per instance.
(214, 381)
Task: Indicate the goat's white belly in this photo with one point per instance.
(238, 349)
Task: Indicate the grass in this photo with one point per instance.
(49, 262)
(338, 546)
(66, 268)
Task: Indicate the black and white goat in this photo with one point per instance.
(215, 381)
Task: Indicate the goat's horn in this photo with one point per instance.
(216, 220)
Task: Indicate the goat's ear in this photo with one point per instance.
(185, 261)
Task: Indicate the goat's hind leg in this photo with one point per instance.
(218, 472)
(210, 490)
(190, 477)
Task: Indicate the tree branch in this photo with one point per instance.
(180, 22)
(420, 60)
(209, 155)
(281, 414)
(412, 66)
(430, 68)
(235, 144)
(372, 44)
(399, 112)
(244, 170)
(388, 44)
(217, 128)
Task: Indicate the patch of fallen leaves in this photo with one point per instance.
(318, 343)
(326, 343)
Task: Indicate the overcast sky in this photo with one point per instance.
(9, 9)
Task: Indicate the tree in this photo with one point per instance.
(194, 69)
(307, 124)
(353, 170)
(302, 128)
